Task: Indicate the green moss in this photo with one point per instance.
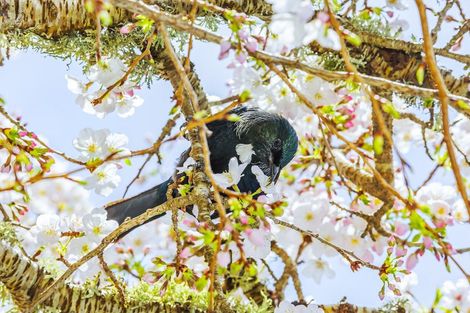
(8, 234)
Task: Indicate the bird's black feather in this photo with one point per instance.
(273, 139)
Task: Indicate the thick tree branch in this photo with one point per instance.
(24, 280)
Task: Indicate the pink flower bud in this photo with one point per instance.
(427, 242)
(225, 47)
(223, 259)
(323, 17)
(382, 294)
(126, 29)
(390, 13)
(251, 45)
(243, 34)
(411, 261)
(241, 57)
(400, 251)
(22, 133)
(401, 228)
(185, 253)
(148, 278)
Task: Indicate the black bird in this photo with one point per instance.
(274, 143)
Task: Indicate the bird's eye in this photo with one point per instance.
(277, 144)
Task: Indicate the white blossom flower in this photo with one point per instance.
(60, 196)
(318, 90)
(406, 133)
(287, 307)
(257, 243)
(456, 295)
(104, 179)
(397, 4)
(91, 143)
(324, 35)
(115, 143)
(308, 215)
(189, 162)
(126, 104)
(47, 229)
(244, 151)
(316, 268)
(102, 76)
(233, 176)
(197, 264)
(440, 208)
(460, 212)
(263, 180)
(107, 71)
(436, 191)
(97, 226)
(290, 22)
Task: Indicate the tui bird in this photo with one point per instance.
(274, 143)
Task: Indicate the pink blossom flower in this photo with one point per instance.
(427, 242)
(411, 261)
(225, 47)
(251, 45)
(401, 228)
(223, 259)
(400, 251)
(323, 17)
(185, 253)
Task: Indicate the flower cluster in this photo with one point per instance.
(96, 146)
(111, 92)
(70, 237)
(293, 25)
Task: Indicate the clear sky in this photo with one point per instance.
(34, 86)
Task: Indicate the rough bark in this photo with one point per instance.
(49, 17)
(25, 280)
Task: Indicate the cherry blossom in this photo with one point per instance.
(47, 229)
(233, 176)
(257, 243)
(287, 307)
(317, 268)
(244, 151)
(456, 295)
(103, 179)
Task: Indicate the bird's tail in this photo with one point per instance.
(134, 206)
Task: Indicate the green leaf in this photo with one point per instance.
(233, 117)
(354, 39)
(201, 283)
(390, 109)
(278, 211)
(245, 95)
(200, 115)
(38, 152)
(105, 18)
(463, 105)
(364, 15)
(145, 23)
(378, 144)
(420, 74)
(128, 162)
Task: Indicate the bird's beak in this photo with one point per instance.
(275, 171)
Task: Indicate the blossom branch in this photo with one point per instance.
(444, 100)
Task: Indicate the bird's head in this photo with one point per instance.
(273, 139)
